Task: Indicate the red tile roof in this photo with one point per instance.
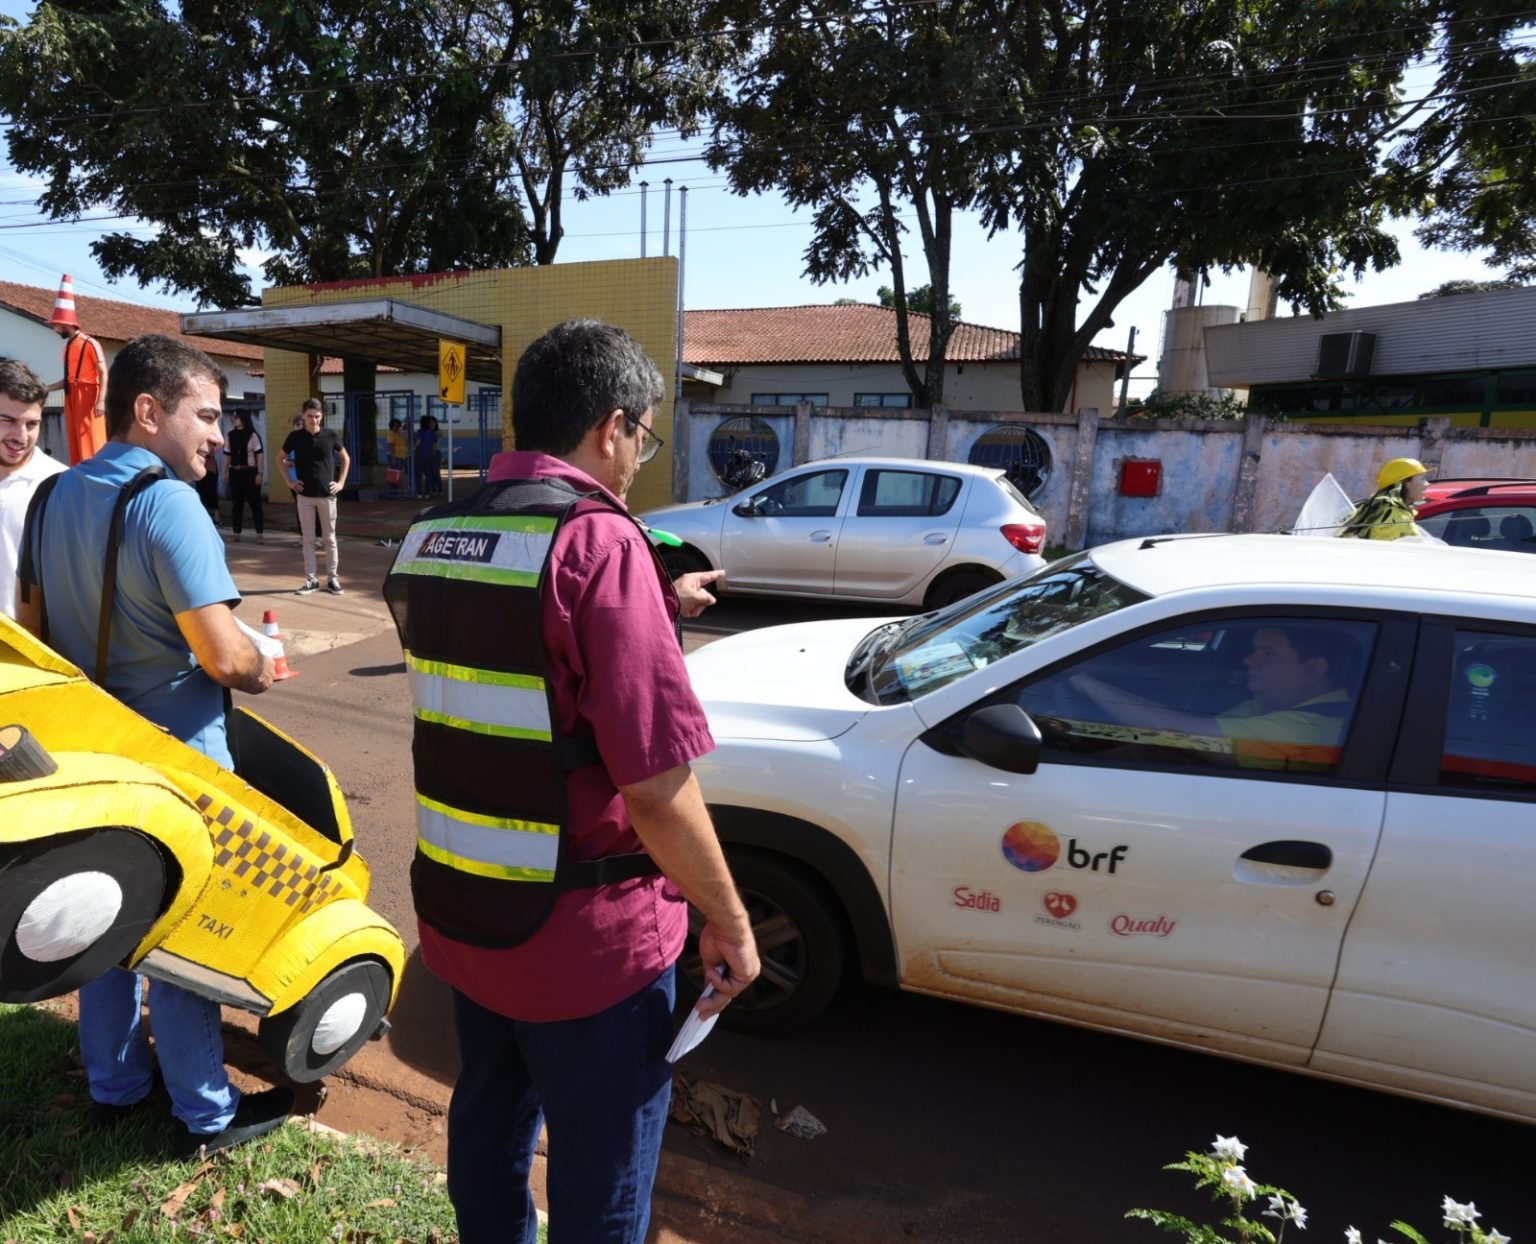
(851, 333)
(116, 321)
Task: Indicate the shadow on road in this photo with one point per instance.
(421, 1025)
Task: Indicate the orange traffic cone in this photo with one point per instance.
(64, 305)
(280, 668)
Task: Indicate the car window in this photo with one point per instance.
(1490, 727)
(925, 653)
(1507, 527)
(906, 494)
(804, 496)
(1271, 694)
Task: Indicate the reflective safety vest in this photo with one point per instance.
(466, 591)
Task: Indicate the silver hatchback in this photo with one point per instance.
(892, 530)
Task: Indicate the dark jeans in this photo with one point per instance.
(602, 1085)
(243, 488)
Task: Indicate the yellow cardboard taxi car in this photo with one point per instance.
(122, 845)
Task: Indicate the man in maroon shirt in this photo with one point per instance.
(570, 1027)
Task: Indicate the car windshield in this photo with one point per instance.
(904, 660)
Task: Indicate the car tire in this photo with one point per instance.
(682, 561)
(73, 906)
(957, 585)
(802, 944)
(329, 1024)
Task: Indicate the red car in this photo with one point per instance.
(1482, 513)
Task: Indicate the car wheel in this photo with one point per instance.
(331, 1023)
(73, 906)
(682, 561)
(801, 942)
(957, 586)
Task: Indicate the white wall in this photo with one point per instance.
(967, 386)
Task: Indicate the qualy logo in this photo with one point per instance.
(1032, 847)
(1137, 926)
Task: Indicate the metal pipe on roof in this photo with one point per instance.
(643, 185)
(666, 220)
(682, 250)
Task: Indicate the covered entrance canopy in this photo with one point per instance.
(383, 330)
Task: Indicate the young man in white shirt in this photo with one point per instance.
(22, 465)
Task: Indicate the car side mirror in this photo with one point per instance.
(1002, 736)
(746, 509)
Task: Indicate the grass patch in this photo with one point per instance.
(61, 1181)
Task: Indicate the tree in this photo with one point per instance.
(1469, 170)
(1448, 289)
(919, 299)
(343, 138)
(855, 109)
(1193, 134)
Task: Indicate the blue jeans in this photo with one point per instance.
(188, 1041)
(602, 1084)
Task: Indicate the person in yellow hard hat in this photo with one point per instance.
(1389, 512)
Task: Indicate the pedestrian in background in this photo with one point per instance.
(397, 455)
(84, 382)
(172, 647)
(245, 472)
(318, 463)
(428, 482)
(539, 603)
(22, 465)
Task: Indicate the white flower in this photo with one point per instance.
(1290, 1211)
(1494, 1236)
(1457, 1215)
(1352, 1236)
(1236, 1179)
(1231, 1149)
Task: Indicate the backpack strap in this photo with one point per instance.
(30, 571)
(149, 475)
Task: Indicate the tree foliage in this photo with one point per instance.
(338, 138)
(1469, 170)
(1447, 289)
(857, 110)
(919, 299)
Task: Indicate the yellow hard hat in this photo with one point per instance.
(1399, 469)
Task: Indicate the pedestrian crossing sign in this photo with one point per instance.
(450, 372)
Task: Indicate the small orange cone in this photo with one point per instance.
(280, 668)
(64, 305)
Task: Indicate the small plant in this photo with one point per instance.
(1221, 1171)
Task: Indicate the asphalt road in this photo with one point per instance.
(944, 1122)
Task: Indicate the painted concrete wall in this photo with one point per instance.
(1204, 484)
(639, 295)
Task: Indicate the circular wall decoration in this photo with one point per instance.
(738, 443)
(1021, 452)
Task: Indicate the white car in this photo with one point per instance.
(896, 530)
(1265, 797)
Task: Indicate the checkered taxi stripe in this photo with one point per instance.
(264, 863)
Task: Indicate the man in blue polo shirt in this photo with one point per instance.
(173, 649)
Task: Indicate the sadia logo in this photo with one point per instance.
(1033, 847)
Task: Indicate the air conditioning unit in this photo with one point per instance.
(1344, 354)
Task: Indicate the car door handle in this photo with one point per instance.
(935, 537)
(820, 537)
(1291, 854)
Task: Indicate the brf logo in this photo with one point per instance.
(1032, 847)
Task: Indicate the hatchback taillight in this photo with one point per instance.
(1026, 537)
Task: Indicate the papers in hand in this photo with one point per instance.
(265, 644)
(693, 1030)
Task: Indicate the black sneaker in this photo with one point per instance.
(310, 584)
(333, 586)
(256, 1115)
(104, 1116)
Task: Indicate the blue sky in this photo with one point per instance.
(741, 252)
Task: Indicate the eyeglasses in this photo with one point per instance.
(652, 444)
